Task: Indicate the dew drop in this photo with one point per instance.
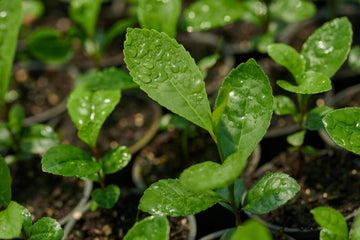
(189, 29)
(3, 14)
(227, 18)
(191, 15)
(205, 25)
(145, 79)
(132, 52)
(148, 65)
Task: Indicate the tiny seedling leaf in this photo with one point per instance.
(46, 229)
(165, 70)
(27, 221)
(238, 193)
(296, 139)
(5, 183)
(206, 63)
(116, 159)
(296, 10)
(153, 227)
(70, 161)
(355, 228)
(313, 121)
(251, 229)
(16, 118)
(170, 198)
(32, 10)
(270, 192)
(343, 126)
(333, 223)
(354, 58)
(38, 138)
(11, 220)
(117, 29)
(107, 197)
(283, 105)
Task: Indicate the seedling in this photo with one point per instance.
(243, 109)
(321, 56)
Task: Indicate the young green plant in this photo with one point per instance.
(243, 109)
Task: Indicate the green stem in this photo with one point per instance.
(24, 233)
(235, 209)
(101, 178)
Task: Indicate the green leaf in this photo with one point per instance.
(32, 10)
(313, 121)
(107, 197)
(354, 58)
(150, 228)
(11, 221)
(288, 57)
(16, 118)
(238, 193)
(250, 230)
(355, 229)
(308, 83)
(296, 10)
(249, 109)
(159, 15)
(210, 175)
(116, 159)
(5, 183)
(262, 41)
(48, 45)
(206, 63)
(6, 140)
(165, 70)
(89, 109)
(343, 126)
(270, 192)
(38, 138)
(85, 13)
(10, 22)
(327, 48)
(70, 161)
(206, 14)
(333, 223)
(27, 221)
(170, 198)
(46, 229)
(227, 235)
(296, 139)
(255, 11)
(283, 105)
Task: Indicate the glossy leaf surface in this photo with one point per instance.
(160, 15)
(85, 13)
(70, 161)
(150, 228)
(248, 111)
(354, 58)
(270, 192)
(343, 126)
(238, 193)
(116, 159)
(107, 197)
(11, 221)
(292, 10)
(48, 45)
(10, 21)
(283, 105)
(170, 198)
(314, 118)
(5, 183)
(89, 109)
(46, 229)
(327, 48)
(165, 70)
(38, 138)
(207, 14)
(296, 139)
(250, 230)
(333, 223)
(288, 57)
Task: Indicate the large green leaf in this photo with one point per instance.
(38, 138)
(160, 15)
(150, 228)
(68, 160)
(85, 13)
(251, 230)
(5, 183)
(283, 105)
(48, 45)
(288, 57)
(270, 192)
(168, 74)
(169, 197)
(313, 120)
(327, 48)
(355, 228)
(249, 109)
(46, 229)
(107, 197)
(11, 221)
(116, 159)
(10, 21)
(333, 223)
(89, 109)
(292, 10)
(343, 126)
(206, 14)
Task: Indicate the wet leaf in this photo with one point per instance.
(206, 14)
(48, 45)
(11, 221)
(327, 48)
(354, 58)
(270, 192)
(160, 15)
(116, 159)
(107, 197)
(343, 126)
(333, 223)
(283, 105)
(46, 229)
(150, 228)
(251, 229)
(5, 183)
(16, 118)
(355, 228)
(238, 193)
(296, 139)
(165, 70)
(10, 22)
(70, 161)
(314, 118)
(89, 109)
(38, 138)
(170, 198)
(296, 10)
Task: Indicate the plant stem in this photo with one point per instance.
(24, 233)
(101, 178)
(231, 189)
